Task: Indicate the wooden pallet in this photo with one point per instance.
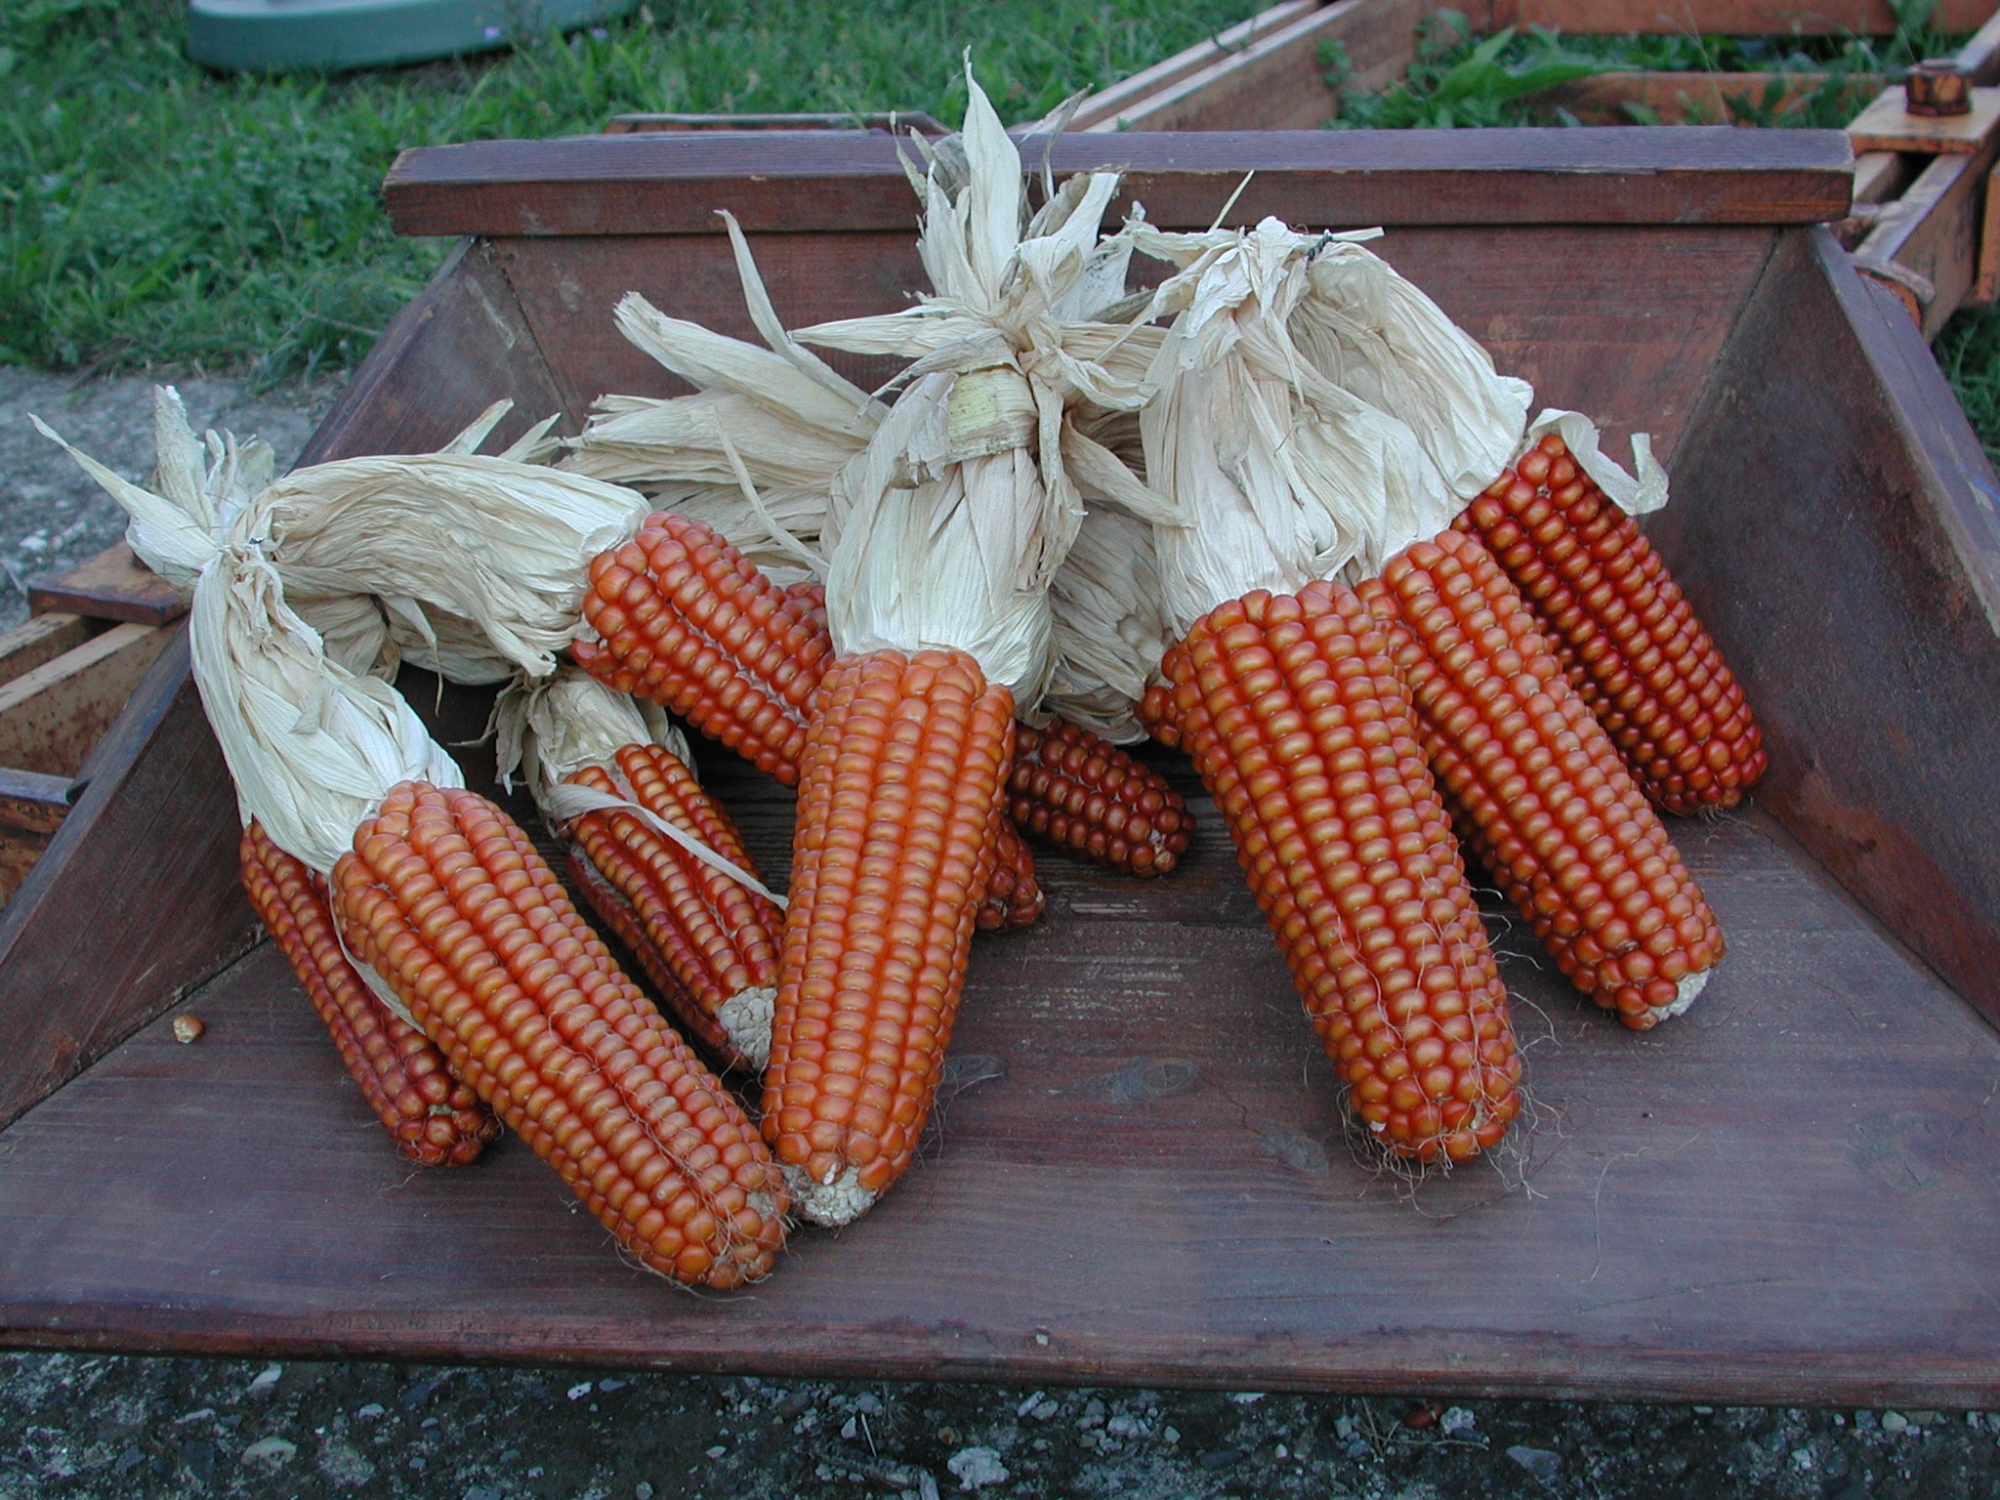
(1792, 1195)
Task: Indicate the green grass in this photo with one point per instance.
(153, 214)
(1462, 80)
(1969, 353)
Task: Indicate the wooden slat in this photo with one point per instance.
(1925, 245)
(1986, 279)
(1103, 108)
(1719, 17)
(53, 715)
(1886, 125)
(1278, 79)
(114, 585)
(1683, 98)
(28, 645)
(135, 898)
(32, 808)
(1979, 58)
(1838, 528)
(1880, 176)
(1789, 1197)
(672, 184)
(894, 122)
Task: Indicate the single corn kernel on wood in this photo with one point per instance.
(1303, 733)
(746, 676)
(445, 896)
(900, 800)
(1536, 787)
(433, 1118)
(1627, 637)
(714, 936)
(1067, 786)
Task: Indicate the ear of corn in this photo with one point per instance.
(1538, 790)
(899, 799)
(1628, 639)
(715, 938)
(1304, 734)
(433, 1118)
(687, 623)
(448, 900)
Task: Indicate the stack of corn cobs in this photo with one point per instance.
(1277, 511)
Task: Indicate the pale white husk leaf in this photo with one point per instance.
(550, 728)
(1280, 476)
(312, 746)
(1110, 629)
(1638, 492)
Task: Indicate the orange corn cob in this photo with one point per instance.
(1303, 732)
(1626, 636)
(445, 896)
(433, 1118)
(1537, 789)
(1066, 788)
(708, 943)
(1156, 709)
(900, 797)
(687, 622)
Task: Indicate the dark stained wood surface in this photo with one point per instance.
(135, 898)
(1719, 17)
(114, 585)
(1140, 1177)
(32, 808)
(672, 183)
(1838, 528)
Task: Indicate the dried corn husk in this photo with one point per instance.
(1637, 493)
(947, 530)
(313, 747)
(1279, 476)
(1109, 625)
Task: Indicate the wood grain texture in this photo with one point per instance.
(1719, 17)
(135, 898)
(665, 183)
(40, 639)
(1727, 1208)
(1103, 109)
(1885, 125)
(1925, 245)
(1838, 528)
(114, 585)
(53, 715)
(32, 808)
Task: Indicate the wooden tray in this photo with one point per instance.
(1140, 1173)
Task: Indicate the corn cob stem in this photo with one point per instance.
(708, 943)
(448, 900)
(1303, 733)
(900, 795)
(1536, 787)
(1627, 638)
(433, 1118)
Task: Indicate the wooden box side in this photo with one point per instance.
(1841, 537)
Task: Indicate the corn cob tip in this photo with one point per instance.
(746, 1016)
(1685, 991)
(839, 1200)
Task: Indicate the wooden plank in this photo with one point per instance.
(1880, 176)
(1838, 529)
(52, 715)
(1792, 1196)
(1692, 98)
(38, 640)
(1979, 58)
(1722, 17)
(1886, 125)
(896, 122)
(1278, 79)
(32, 808)
(1986, 279)
(665, 184)
(135, 899)
(1107, 104)
(1925, 245)
(114, 585)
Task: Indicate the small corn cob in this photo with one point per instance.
(446, 897)
(433, 1118)
(1537, 789)
(1156, 709)
(686, 622)
(715, 940)
(1014, 897)
(1065, 788)
(1627, 638)
(1303, 733)
(900, 795)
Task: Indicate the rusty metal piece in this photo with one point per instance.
(1936, 86)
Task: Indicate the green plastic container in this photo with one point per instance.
(242, 36)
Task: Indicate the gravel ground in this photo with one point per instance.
(75, 1426)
